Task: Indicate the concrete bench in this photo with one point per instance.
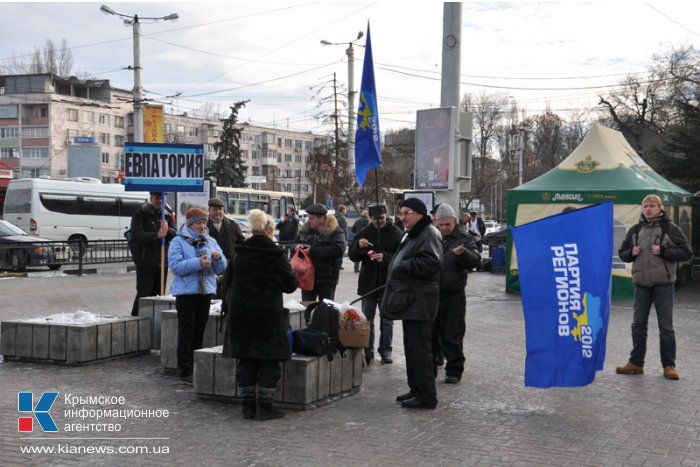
(151, 307)
(212, 336)
(74, 344)
(306, 383)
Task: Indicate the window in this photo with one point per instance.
(118, 122)
(297, 158)
(29, 172)
(9, 132)
(130, 120)
(119, 140)
(35, 132)
(104, 119)
(288, 158)
(256, 171)
(308, 145)
(256, 154)
(298, 144)
(193, 131)
(298, 173)
(8, 111)
(9, 153)
(104, 139)
(105, 158)
(168, 128)
(72, 115)
(288, 143)
(180, 129)
(35, 153)
(88, 117)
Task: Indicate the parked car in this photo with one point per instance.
(491, 226)
(246, 230)
(19, 249)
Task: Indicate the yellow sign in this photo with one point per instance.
(153, 126)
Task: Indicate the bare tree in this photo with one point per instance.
(49, 59)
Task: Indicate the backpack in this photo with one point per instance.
(311, 342)
(323, 317)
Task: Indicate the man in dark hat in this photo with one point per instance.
(222, 229)
(360, 224)
(374, 246)
(325, 243)
(148, 229)
(412, 295)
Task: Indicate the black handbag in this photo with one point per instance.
(311, 342)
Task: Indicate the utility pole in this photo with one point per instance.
(337, 127)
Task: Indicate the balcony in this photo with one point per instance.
(269, 161)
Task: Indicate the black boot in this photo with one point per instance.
(249, 402)
(265, 409)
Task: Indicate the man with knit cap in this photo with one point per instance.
(459, 256)
(412, 294)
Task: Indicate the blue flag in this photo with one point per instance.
(368, 151)
(565, 269)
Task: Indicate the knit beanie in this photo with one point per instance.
(444, 211)
(196, 214)
(415, 204)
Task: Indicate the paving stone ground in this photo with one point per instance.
(490, 418)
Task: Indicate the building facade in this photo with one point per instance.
(50, 126)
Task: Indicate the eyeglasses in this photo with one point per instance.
(406, 212)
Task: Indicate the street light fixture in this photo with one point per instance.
(138, 88)
(351, 94)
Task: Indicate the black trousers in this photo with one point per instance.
(252, 371)
(192, 316)
(448, 332)
(147, 284)
(321, 291)
(417, 346)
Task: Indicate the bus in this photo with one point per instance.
(75, 210)
(239, 202)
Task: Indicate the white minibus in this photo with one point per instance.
(75, 209)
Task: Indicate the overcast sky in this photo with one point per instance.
(269, 52)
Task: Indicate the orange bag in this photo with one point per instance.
(304, 268)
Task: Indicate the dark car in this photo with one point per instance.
(19, 249)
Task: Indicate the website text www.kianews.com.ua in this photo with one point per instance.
(63, 448)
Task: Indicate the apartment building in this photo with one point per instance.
(46, 121)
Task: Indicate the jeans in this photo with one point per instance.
(662, 298)
(386, 326)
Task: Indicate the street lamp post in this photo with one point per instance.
(138, 87)
(351, 95)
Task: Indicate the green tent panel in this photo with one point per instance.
(603, 167)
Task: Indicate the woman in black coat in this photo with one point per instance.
(256, 333)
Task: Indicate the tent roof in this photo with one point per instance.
(604, 161)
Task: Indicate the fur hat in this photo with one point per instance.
(376, 210)
(444, 211)
(415, 204)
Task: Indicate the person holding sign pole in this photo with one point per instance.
(148, 228)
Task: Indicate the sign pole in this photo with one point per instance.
(162, 251)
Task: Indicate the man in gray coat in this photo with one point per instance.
(412, 295)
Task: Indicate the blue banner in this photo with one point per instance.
(565, 271)
(368, 150)
(163, 167)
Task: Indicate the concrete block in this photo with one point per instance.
(347, 364)
(204, 371)
(210, 331)
(324, 377)
(300, 380)
(296, 319)
(219, 334)
(224, 375)
(358, 356)
(159, 305)
(336, 374)
(168, 346)
(118, 338)
(40, 341)
(81, 343)
(104, 340)
(145, 336)
(8, 338)
(58, 342)
(131, 335)
(23, 345)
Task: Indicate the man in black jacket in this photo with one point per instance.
(225, 231)
(148, 229)
(412, 294)
(459, 256)
(374, 246)
(359, 224)
(324, 242)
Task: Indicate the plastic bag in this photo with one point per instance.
(304, 268)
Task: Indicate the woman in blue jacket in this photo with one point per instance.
(195, 260)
